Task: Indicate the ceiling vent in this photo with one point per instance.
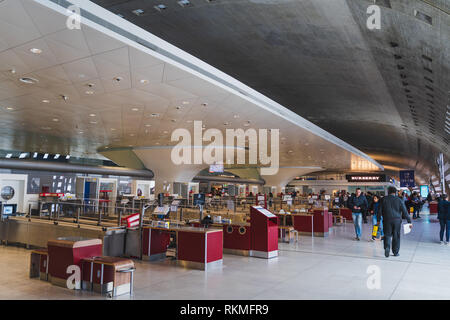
(423, 17)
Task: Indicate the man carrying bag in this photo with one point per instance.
(393, 210)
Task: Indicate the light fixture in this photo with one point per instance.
(46, 156)
(138, 12)
(185, 102)
(80, 132)
(113, 129)
(35, 155)
(36, 50)
(89, 92)
(9, 108)
(67, 157)
(92, 115)
(148, 125)
(56, 157)
(29, 80)
(132, 134)
(55, 119)
(46, 101)
(9, 155)
(144, 81)
(135, 109)
(160, 7)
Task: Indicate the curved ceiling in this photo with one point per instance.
(383, 91)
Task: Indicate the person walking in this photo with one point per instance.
(392, 210)
(415, 205)
(358, 203)
(374, 211)
(444, 218)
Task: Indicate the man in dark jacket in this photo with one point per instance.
(358, 203)
(393, 210)
(444, 218)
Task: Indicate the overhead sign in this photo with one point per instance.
(366, 178)
(216, 168)
(407, 179)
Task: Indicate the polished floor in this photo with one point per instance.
(335, 267)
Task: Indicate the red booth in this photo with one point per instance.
(346, 213)
(264, 233)
(197, 248)
(237, 239)
(65, 252)
(317, 222)
(433, 206)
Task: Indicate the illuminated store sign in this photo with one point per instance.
(366, 178)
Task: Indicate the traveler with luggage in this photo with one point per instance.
(374, 211)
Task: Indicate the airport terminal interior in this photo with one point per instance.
(224, 149)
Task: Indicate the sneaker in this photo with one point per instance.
(372, 239)
(396, 254)
(446, 243)
(442, 242)
(386, 252)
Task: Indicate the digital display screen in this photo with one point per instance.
(424, 191)
(8, 209)
(216, 168)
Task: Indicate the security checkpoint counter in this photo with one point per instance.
(433, 206)
(197, 248)
(346, 213)
(65, 252)
(316, 223)
(108, 275)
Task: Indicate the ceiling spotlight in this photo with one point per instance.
(138, 12)
(113, 129)
(28, 80)
(45, 101)
(23, 155)
(135, 109)
(9, 155)
(89, 92)
(55, 119)
(13, 71)
(185, 102)
(148, 125)
(118, 79)
(46, 156)
(64, 97)
(67, 157)
(144, 81)
(35, 155)
(160, 7)
(9, 108)
(56, 157)
(80, 132)
(36, 51)
(92, 115)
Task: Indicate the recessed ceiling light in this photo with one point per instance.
(113, 129)
(46, 101)
(56, 157)
(36, 51)
(9, 108)
(9, 155)
(46, 156)
(67, 157)
(135, 109)
(28, 80)
(55, 119)
(35, 155)
(80, 132)
(23, 155)
(236, 116)
(160, 7)
(144, 81)
(148, 125)
(165, 132)
(185, 102)
(92, 115)
(138, 12)
(90, 92)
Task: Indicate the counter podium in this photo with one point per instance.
(264, 233)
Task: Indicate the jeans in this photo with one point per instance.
(445, 226)
(392, 234)
(380, 228)
(357, 221)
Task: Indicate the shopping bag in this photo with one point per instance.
(375, 231)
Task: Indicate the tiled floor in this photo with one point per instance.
(315, 268)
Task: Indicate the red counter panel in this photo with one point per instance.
(236, 240)
(191, 246)
(214, 246)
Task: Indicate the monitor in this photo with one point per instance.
(9, 209)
